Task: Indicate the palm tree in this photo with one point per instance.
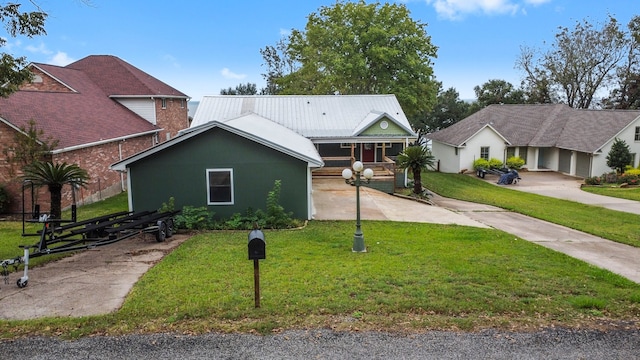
(417, 158)
(54, 176)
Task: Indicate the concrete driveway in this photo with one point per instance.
(566, 187)
(335, 200)
(91, 282)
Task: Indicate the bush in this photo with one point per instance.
(277, 218)
(480, 164)
(594, 180)
(4, 199)
(632, 171)
(194, 218)
(495, 163)
(631, 179)
(515, 162)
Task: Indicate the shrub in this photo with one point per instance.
(594, 180)
(277, 218)
(515, 162)
(631, 179)
(480, 164)
(495, 163)
(170, 206)
(632, 171)
(194, 218)
(610, 178)
(244, 221)
(4, 199)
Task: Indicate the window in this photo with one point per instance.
(511, 151)
(345, 145)
(220, 190)
(383, 145)
(484, 152)
(522, 152)
(164, 103)
(637, 137)
(181, 103)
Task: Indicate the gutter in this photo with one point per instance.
(101, 142)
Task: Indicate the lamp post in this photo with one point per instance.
(358, 238)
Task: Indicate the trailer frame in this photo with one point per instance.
(58, 236)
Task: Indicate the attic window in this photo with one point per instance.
(164, 103)
(220, 186)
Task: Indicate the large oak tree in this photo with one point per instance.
(357, 48)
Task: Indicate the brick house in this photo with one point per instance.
(101, 110)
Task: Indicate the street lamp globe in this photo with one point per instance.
(358, 166)
(347, 174)
(368, 173)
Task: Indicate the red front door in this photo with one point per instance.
(368, 152)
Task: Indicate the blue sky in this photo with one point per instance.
(201, 47)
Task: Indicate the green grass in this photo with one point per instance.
(614, 225)
(414, 277)
(629, 193)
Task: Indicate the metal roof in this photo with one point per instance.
(312, 116)
(249, 126)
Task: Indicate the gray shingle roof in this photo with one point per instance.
(545, 125)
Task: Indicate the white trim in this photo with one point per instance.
(53, 77)
(310, 204)
(17, 129)
(129, 192)
(151, 96)
(102, 142)
(207, 172)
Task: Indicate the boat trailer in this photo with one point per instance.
(58, 236)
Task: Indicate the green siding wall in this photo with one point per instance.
(392, 129)
(180, 171)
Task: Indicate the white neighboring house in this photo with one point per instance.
(547, 136)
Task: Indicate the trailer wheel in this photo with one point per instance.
(161, 234)
(170, 228)
(21, 284)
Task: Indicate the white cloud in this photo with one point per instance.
(228, 74)
(457, 9)
(61, 59)
(40, 49)
(537, 2)
(172, 60)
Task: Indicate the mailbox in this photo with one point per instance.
(257, 245)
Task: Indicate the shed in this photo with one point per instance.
(228, 166)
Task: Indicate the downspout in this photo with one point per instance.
(122, 187)
(406, 170)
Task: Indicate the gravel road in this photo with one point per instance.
(325, 344)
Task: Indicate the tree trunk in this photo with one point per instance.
(55, 190)
(417, 181)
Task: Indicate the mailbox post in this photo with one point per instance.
(257, 251)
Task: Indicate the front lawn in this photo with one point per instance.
(629, 193)
(414, 277)
(613, 225)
